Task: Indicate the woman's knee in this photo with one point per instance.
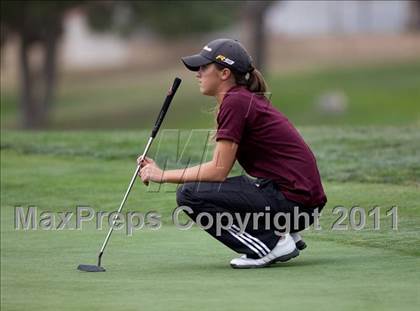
(185, 194)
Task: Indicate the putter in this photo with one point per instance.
(161, 116)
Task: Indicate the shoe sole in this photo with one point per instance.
(287, 257)
(283, 258)
(300, 245)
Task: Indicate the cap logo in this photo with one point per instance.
(225, 59)
(207, 48)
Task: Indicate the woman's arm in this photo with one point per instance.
(217, 169)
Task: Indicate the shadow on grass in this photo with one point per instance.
(200, 267)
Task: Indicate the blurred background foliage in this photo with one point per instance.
(117, 76)
(170, 19)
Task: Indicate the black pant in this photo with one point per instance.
(238, 197)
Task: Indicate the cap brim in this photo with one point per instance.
(194, 62)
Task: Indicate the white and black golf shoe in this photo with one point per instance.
(283, 251)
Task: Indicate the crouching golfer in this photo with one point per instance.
(282, 191)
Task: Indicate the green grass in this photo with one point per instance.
(183, 270)
(362, 154)
(376, 95)
(178, 270)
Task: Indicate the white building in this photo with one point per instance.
(337, 17)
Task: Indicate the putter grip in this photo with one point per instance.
(166, 103)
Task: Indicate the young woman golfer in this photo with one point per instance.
(259, 214)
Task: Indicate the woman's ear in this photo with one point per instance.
(225, 74)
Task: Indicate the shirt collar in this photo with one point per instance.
(236, 88)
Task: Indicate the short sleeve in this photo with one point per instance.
(231, 119)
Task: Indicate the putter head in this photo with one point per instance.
(91, 268)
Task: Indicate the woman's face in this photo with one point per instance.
(209, 79)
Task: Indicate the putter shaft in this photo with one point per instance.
(133, 179)
(155, 130)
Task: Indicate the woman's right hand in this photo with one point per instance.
(143, 162)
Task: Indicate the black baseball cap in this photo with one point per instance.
(226, 52)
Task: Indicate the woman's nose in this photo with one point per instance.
(198, 75)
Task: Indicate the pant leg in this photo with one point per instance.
(299, 217)
(242, 195)
(238, 195)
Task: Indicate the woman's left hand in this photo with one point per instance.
(151, 172)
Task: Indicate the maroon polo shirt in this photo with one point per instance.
(269, 146)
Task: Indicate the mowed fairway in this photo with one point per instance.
(171, 269)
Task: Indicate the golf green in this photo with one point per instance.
(173, 269)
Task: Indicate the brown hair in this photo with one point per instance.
(253, 80)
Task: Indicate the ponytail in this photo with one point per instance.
(256, 82)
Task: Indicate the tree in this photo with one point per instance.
(414, 16)
(170, 19)
(40, 23)
(253, 16)
(35, 23)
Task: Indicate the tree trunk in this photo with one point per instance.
(50, 77)
(253, 19)
(37, 90)
(259, 39)
(28, 104)
(414, 16)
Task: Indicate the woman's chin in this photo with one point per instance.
(205, 92)
(202, 90)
